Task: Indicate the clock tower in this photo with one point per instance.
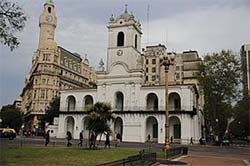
(47, 24)
(124, 44)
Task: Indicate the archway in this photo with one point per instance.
(70, 123)
(88, 101)
(152, 128)
(71, 103)
(119, 101)
(85, 122)
(174, 100)
(175, 129)
(118, 126)
(152, 102)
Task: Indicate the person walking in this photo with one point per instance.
(107, 142)
(46, 136)
(118, 137)
(69, 137)
(80, 138)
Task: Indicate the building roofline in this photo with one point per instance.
(60, 47)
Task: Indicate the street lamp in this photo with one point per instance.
(167, 61)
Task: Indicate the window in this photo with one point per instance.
(177, 76)
(153, 69)
(46, 57)
(153, 78)
(55, 59)
(146, 78)
(146, 61)
(43, 81)
(120, 39)
(135, 41)
(177, 67)
(34, 94)
(49, 9)
(42, 94)
(153, 61)
(146, 69)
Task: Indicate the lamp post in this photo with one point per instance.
(167, 61)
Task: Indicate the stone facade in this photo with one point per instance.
(53, 69)
(138, 102)
(245, 61)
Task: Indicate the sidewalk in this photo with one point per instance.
(209, 159)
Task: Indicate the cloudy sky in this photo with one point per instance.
(202, 25)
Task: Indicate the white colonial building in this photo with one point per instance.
(139, 108)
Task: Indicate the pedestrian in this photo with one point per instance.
(191, 141)
(118, 137)
(46, 136)
(80, 138)
(107, 142)
(171, 139)
(149, 137)
(69, 137)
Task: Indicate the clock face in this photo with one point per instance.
(49, 18)
(119, 52)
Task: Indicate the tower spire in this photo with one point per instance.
(126, 8)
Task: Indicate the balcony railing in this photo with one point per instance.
(130, 110)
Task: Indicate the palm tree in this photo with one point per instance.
(100, 116)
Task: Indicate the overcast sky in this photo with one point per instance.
(203, 25)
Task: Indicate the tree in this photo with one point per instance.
(99, 116)
(11, 117)
(12, 19)
(220, 75)
(240, 126)
(52, 110)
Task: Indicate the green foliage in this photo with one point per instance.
(99, 117)
(11, 117)
(12, 19)
(53, 110)
(240, 126)
(220, 75)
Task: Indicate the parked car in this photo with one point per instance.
(7, 133)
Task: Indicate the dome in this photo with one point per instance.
(126, 16)
(49, 2)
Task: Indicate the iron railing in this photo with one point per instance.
(173, 152)
(129, 108)
(142, 159)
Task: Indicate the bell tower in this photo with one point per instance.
(47, 24)
(124, 40)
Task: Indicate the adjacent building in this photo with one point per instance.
(245, 66)
(54, 68)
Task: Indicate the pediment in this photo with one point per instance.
(118, 69)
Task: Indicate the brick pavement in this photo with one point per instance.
(215, 159)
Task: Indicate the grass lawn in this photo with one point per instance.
(62, 156)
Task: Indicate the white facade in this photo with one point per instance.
(139, 109)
